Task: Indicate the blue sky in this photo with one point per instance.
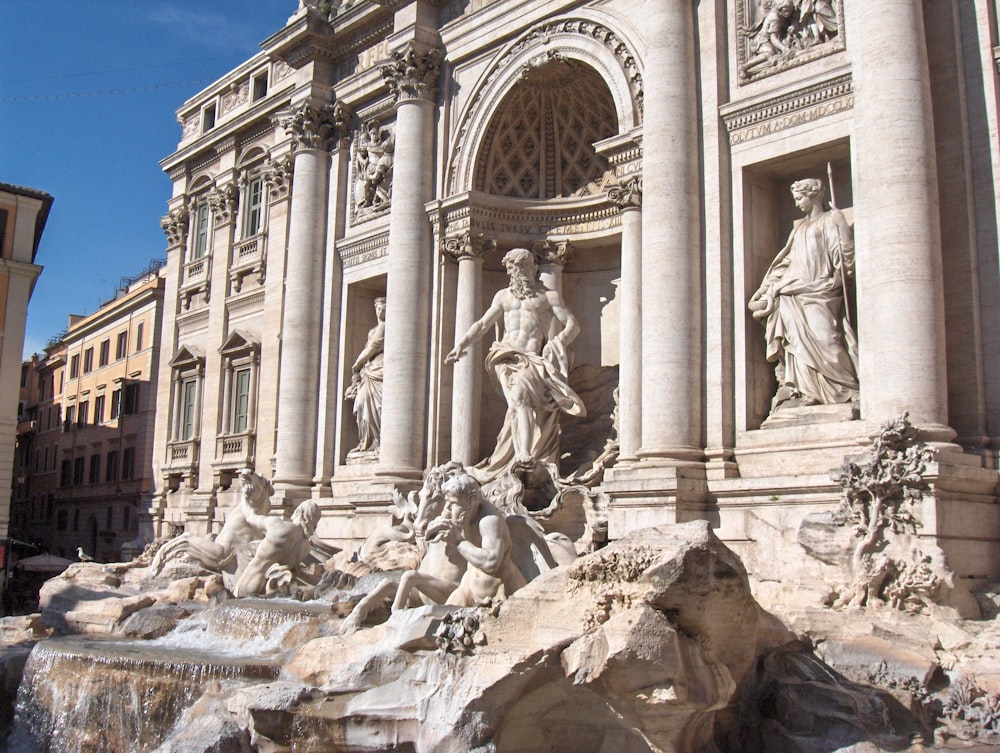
(88, 93)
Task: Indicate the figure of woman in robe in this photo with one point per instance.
(366, 385)
(801, 302)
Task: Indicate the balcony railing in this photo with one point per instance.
(249, 258)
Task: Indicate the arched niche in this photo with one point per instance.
(583, 43)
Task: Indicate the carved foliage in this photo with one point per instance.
(467, 245)
(278, 178)
(412, 74)
(626, 195)
(559, 253)
(223, 201)
(313, 126)
(882, 496)
(175, 226)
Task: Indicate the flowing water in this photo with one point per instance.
(82, 694)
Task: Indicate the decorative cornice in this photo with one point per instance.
(556, 253)
(626, 195)
(175, 226)
(786, 110)
(312, 126)
(467, 245)
(412, 74)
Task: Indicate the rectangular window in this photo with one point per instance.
(138, 337)
(116, 404)
(99, 409)
(88, 360)
(254, 211)
(45, 460)
(190, 395)
(70, 417)
(24, 376)
(131, 403)
(78, 465)
(128, 464)
(121, 345)
(208, 119)
(74, 366)
(82, 412)
(76, 519)
(126, 518)
(241, 400)
(200, 232)
(95, 469)
(105, 353)
(111, 468)
(260, 86)
(61, 520)
(110, 519)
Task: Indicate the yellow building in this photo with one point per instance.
(91, 463)
(23, 213)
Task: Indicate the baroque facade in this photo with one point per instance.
(644, 152)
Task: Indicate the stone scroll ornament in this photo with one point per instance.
(802, 304)
(881, 501)
(777, 34)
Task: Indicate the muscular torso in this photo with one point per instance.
(526, 322)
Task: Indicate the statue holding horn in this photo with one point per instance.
(803, 306)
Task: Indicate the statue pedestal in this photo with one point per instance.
(802, 415)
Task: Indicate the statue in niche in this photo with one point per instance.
(801, 302)
(373, 166)
(366, 387)
(530, 365)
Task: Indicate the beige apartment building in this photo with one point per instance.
(23, 214)
(90, 471)
(644, 152)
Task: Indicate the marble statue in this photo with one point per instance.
(769, 37)
(530, 364)
(801, 302)
(243, 525)
(286, 545)
(366, 386)
(441, 567)
(480, 534)
(373, 166)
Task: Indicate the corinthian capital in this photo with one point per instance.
(175, 226)
(313, 126)
(627, 195)
(412, 74)
(559, 253)
(223, 200)
(467, 245)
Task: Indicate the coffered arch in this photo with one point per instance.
(584, 43)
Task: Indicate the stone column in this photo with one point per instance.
(671, 238)
(553, 256)
(412, 75)
(313, 127)
(628, 198)
(900, 292)
(468, 249)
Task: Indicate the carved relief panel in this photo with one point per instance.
(774, 35)
(372, 162)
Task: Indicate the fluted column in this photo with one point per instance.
(468, 249)
(898, 239)
(313, 127)
(628, 198)
(671, 238)
(412, 75)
